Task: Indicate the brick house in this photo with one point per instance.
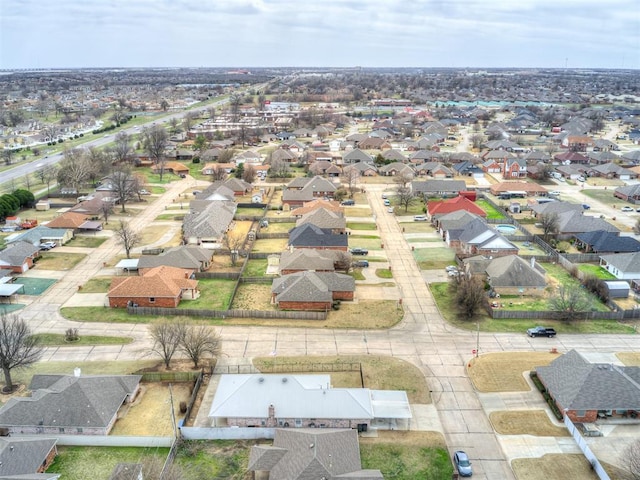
(25, 457)
(301, 401)
(588, 391)
(19, 256)
(311, 236)
(310, 290)
(69, 404)
(159, 287)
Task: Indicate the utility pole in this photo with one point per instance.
(477, 339)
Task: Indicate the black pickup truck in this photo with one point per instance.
(541, 332)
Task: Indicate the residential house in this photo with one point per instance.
(438, 188)
(573, 222)
(628, 193)
(356, 156)
(529, 189)
(480, 239)
(437, 208)
(601, 241)
(311, 290)
(514, 168)
(306, 453)
(95, 206)
(512, 275)
(468, 169)
(577, 143)
(331, 205)
(176, 168)
(302, 401)
(324, 219)
(451, 225)
(374, 143)
(208, 226)
(325, 167)
(306, 259)
(571, 157)
(310, 236)
(302, 189)
(77, 222)
(19, 256)
(434, 169)
(211, 168)
(491, 165)
(283, 155)
(586, 391)
(186, 257)
(363, 168)
(624, 266)
(161, 286)
(41, 234)
(396, 169)
(612, 170)
(27, 458)
(394, 155)
(69, 404)
(248, 157)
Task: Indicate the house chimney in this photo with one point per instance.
(76, 372)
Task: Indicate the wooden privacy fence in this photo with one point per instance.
(550, 315)
(192, 312)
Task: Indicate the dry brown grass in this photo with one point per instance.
(59, 261)
(380, 314)
(553, 467)
(253, 296)
(503, 372)
(270, 245)
(630, 359)
(410, 438)
(379, 373)
(526, 422)
(152, 233)
(150, 413)
(241, 227)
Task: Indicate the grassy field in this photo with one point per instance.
(553, 467)
(502, 372)
(81, 463)
(271, 245)
(357, 211)
(59, 261)
(97, 285)
(603, 196)
(178, 216)
(58, 339)
(407, 455)
(384, 273)
(417, 227)
(370, 242)
(492, 212)
(253, 296)
(361, 226)
(213, 459)
(597, 271)
(255, 267)
(215, 294)
(433, 258)
(631, 359)
(85, 241)
(278, 227)
(526, 422)
(379, 373)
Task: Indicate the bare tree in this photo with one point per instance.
(200, 340)
(174, 125)
(164, 105)
(233, 241)
(570, 303)
(630, 459)
(218, 173)
(343, 260)
(106, 207)
(7, 155)
(167, 337)
(188, 119)
(235, 100)
(476, 141)
(226, 155)
(469, 294)
(405, 196)
(550, 224)
(154, 141)
(46, 175)
(26, 180)
(124, 186)
(279, 169)
(74, 168)
(122, 149)
(18, 347)
(127, 237)
(249, 173)
(403, 178)
(351, 177)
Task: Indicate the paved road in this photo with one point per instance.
(423, 338)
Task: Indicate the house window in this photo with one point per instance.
(298, 422)
(79, 430)
(61, 429)
(581, 413)
(152, 299)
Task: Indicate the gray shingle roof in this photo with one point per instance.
(70, 401)
(212, 222)
(438, 186)
(311, 286)
(21, 456)
(314, 454)
(16, 254)
(513, 271)
(601, 241)
(579, 385)
(309, 235)
(625, 262)
(576, 222)
(307, 259)
(185, 256)
(324, 218)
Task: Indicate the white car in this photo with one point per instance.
(420, 218)
(626, 209)
(451, 268)
(390, 209)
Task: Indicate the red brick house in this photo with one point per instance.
(311, 290)
(159, 287)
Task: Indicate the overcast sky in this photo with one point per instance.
(328, 33)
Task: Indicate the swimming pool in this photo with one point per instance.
(506, 229)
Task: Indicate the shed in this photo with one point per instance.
(617, 288)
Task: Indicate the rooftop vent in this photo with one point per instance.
(261, 380)
(284, 380)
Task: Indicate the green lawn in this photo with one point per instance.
(50, 339)
(492, 212)
(81, 463)
(84, 241)
(357, 274)
(256, 267)
(278, 227)
(252, 212)
(361, 226)
(433, 258)
(597, 271)
(444, 300)
(564, 278)
(406, 462)
(215, 294)
(384, 273)
(356, 241)
(178, 216)
(417, 227)
(97, 285)
(213, 459)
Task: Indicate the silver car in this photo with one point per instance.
(462, 463)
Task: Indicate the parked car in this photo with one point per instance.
(47, 246)
(144, 192)
(359, 251)
(361, 264)
(582, 179)
(387, 203)
(541, 332)
(554, 193)
(390, 209)
(626, 209)
(586, 206)
(420, 218)
(451, 268)
(462, 463)
(453, 273)
(384, 196)
(348, 202)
